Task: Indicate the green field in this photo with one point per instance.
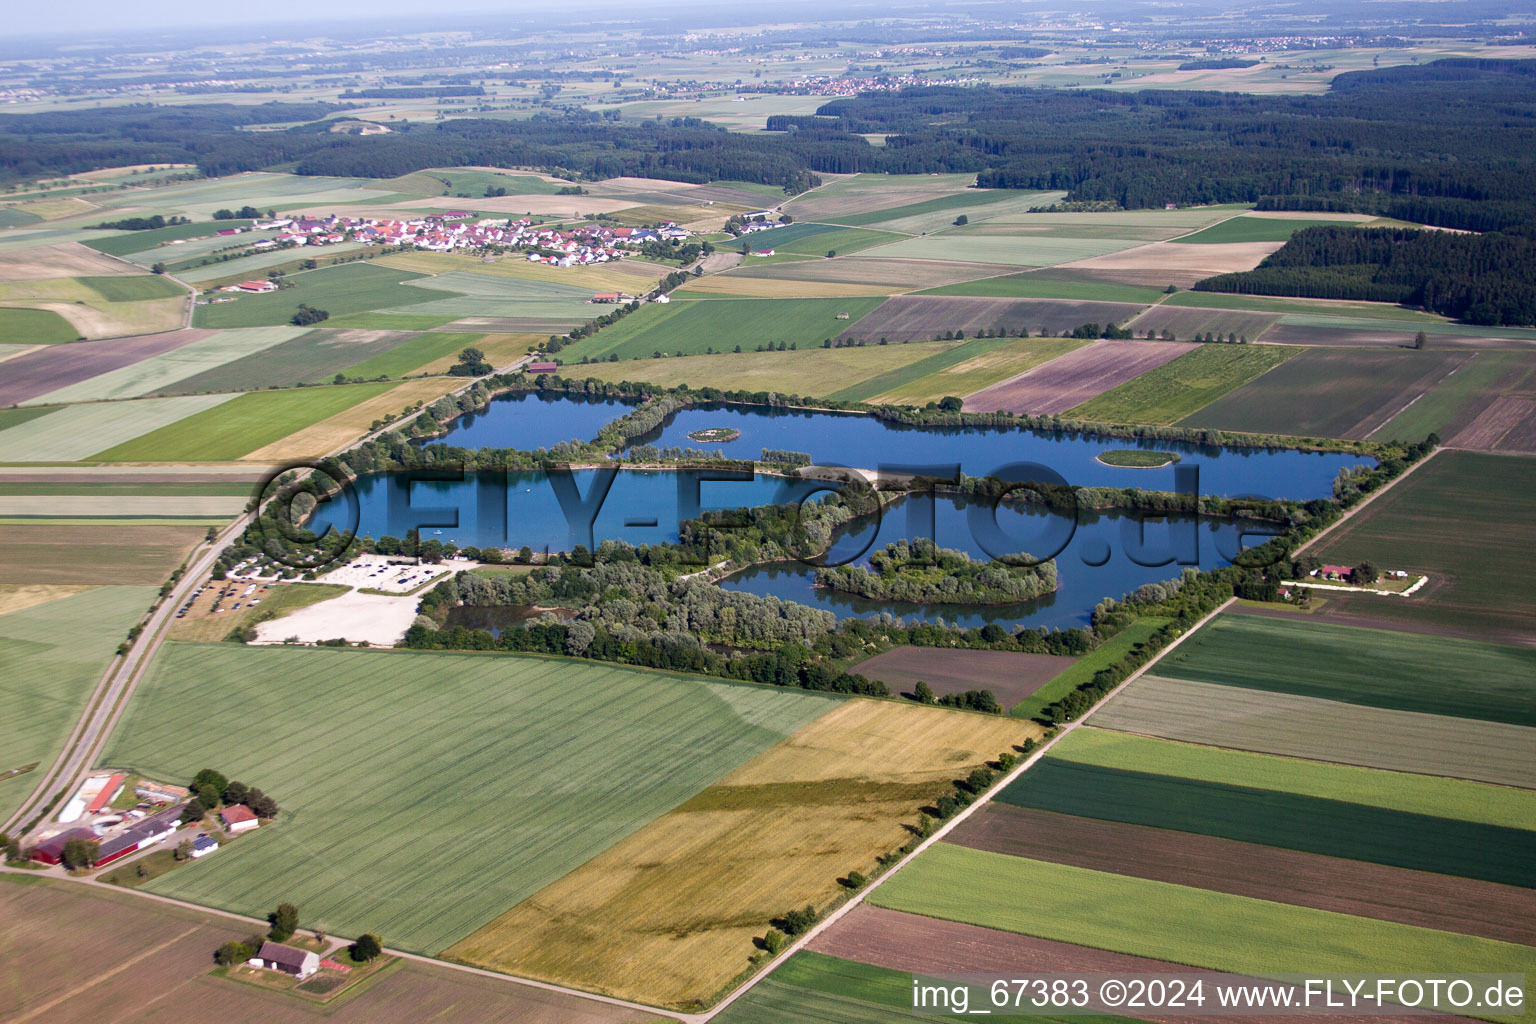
(987, 364)
(691, 328)
(1082, 670)
(802, 372)
(139, 241)
(1457, 400)
(133, 288)
(411, 355)
(1463, 517)
(299, 356)
(51, 657)
(74, 432)
(424, 794)
(16, 417)
(1375, 667)
(388, 322)
(102, 487)
(1254, 229)
(434, 182)
(1045, 284)
(1280, 304)
(1177, 923)
(241, 425)
(35, 326)
(1176, 389)
(1011, 250)
(960, 201)
(841, 241)
(198, 368)
(351, 288)
(815, 987)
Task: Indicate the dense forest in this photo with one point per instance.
(1451, 143)
(1483, 279)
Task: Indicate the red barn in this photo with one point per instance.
(1336, 572)
(543, 367)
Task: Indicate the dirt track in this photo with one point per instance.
(1419, 898)
(1076, 377)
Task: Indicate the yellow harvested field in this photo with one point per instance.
(117, 319)
(64, 259)
(16, 596)
(979, 372)
(500, 349)
(770, 288)
(329, 434)
(667, 916)
(797, 373)
(55, 209)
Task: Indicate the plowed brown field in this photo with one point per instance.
(1076, 377)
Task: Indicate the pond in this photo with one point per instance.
(530, 420)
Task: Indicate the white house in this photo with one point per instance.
(239, 818)
(274, 956)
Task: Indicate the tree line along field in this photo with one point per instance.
(668, 915)
(51, 656)
(1372, 667)
(1462, 517)
(1082, 671)
(477, 759)
(693, 327)
(238, 425)
(1174, 390)
(1153, 919)
(1324, 730)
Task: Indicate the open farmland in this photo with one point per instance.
(73, 432)
(16, 596)
(1464, 905)
(890, 275)
(57, 936)
(1174, 390)
(412, 353)
(1282, 305)
(923, 317)
(231, 427)
(1193, 322)
(350, 288)
(286, 356)
(1152, 919)
(627, 275)
(691, 328)
(61, 259)
(35, 326)
(1010, 250)
(1052, 284)
(1076, 377)
(1259, 228)
(106, 552)
(1508, 424)
(859, 194)
(1373, 667)
(971, 366)
(481, 761)
(1323, 730)
(51, 656)
(1463, 518)
(1082, 670)
(1269, 815)
(1165, 263)
(32, 374)
(803, 372)
(189, 368)
(500, 349)
(1329, 393)
(1009, 675)
(353, 421)
(668, 915)
(946, 206)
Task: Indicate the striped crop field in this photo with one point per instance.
(1168, 393)
(75, 432)
(423, 794)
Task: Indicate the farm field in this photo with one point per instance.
(690, 328)
(1470, 907)
(16, 596)
(1192, 322)
(891, 275)
(114, 506)
(1373, 667)
(1076, 377)
(1010, 676)
(35, 326)
(839, 240)
(1272, 813)
(130, 242)
(1346, 393)
(957, 371)
(95, 553)
(668, 915)
(1256, 229)
(350, 288)
(958, 201)
(1484, 563)
(411, 354)
(100, 307)
(353, 421)
(43, 920)
(1010, 250)
(739, 285)
(1176, 389)
(649, 741)
(1460, 400)
(1051, 284)
(51, 656)
(939, 215)
(1165, 263)
(924, 317)
(190, 368)
(208, 276)
(72, 432)
(1280, 304)
(1148, 918)
(229, 427)
(627, 275)
(858, 194)
(499, 349)
(1323, 730)
(286, 356)
(1081, 671)
(803, 372)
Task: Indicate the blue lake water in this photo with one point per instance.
(530, 421)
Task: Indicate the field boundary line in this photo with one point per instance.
(98, 979)
(1351, 513)
(944, 829)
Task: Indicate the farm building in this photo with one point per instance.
(545, 367)
(160, 793)
(1336, 572)
(239, 818)
(274, 956)
(51, 850)
(137, 837)
(203, 846)
(610, 297)
(258, 286)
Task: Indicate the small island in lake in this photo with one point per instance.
(1137, 458)
(924, 573)
(715, 435)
